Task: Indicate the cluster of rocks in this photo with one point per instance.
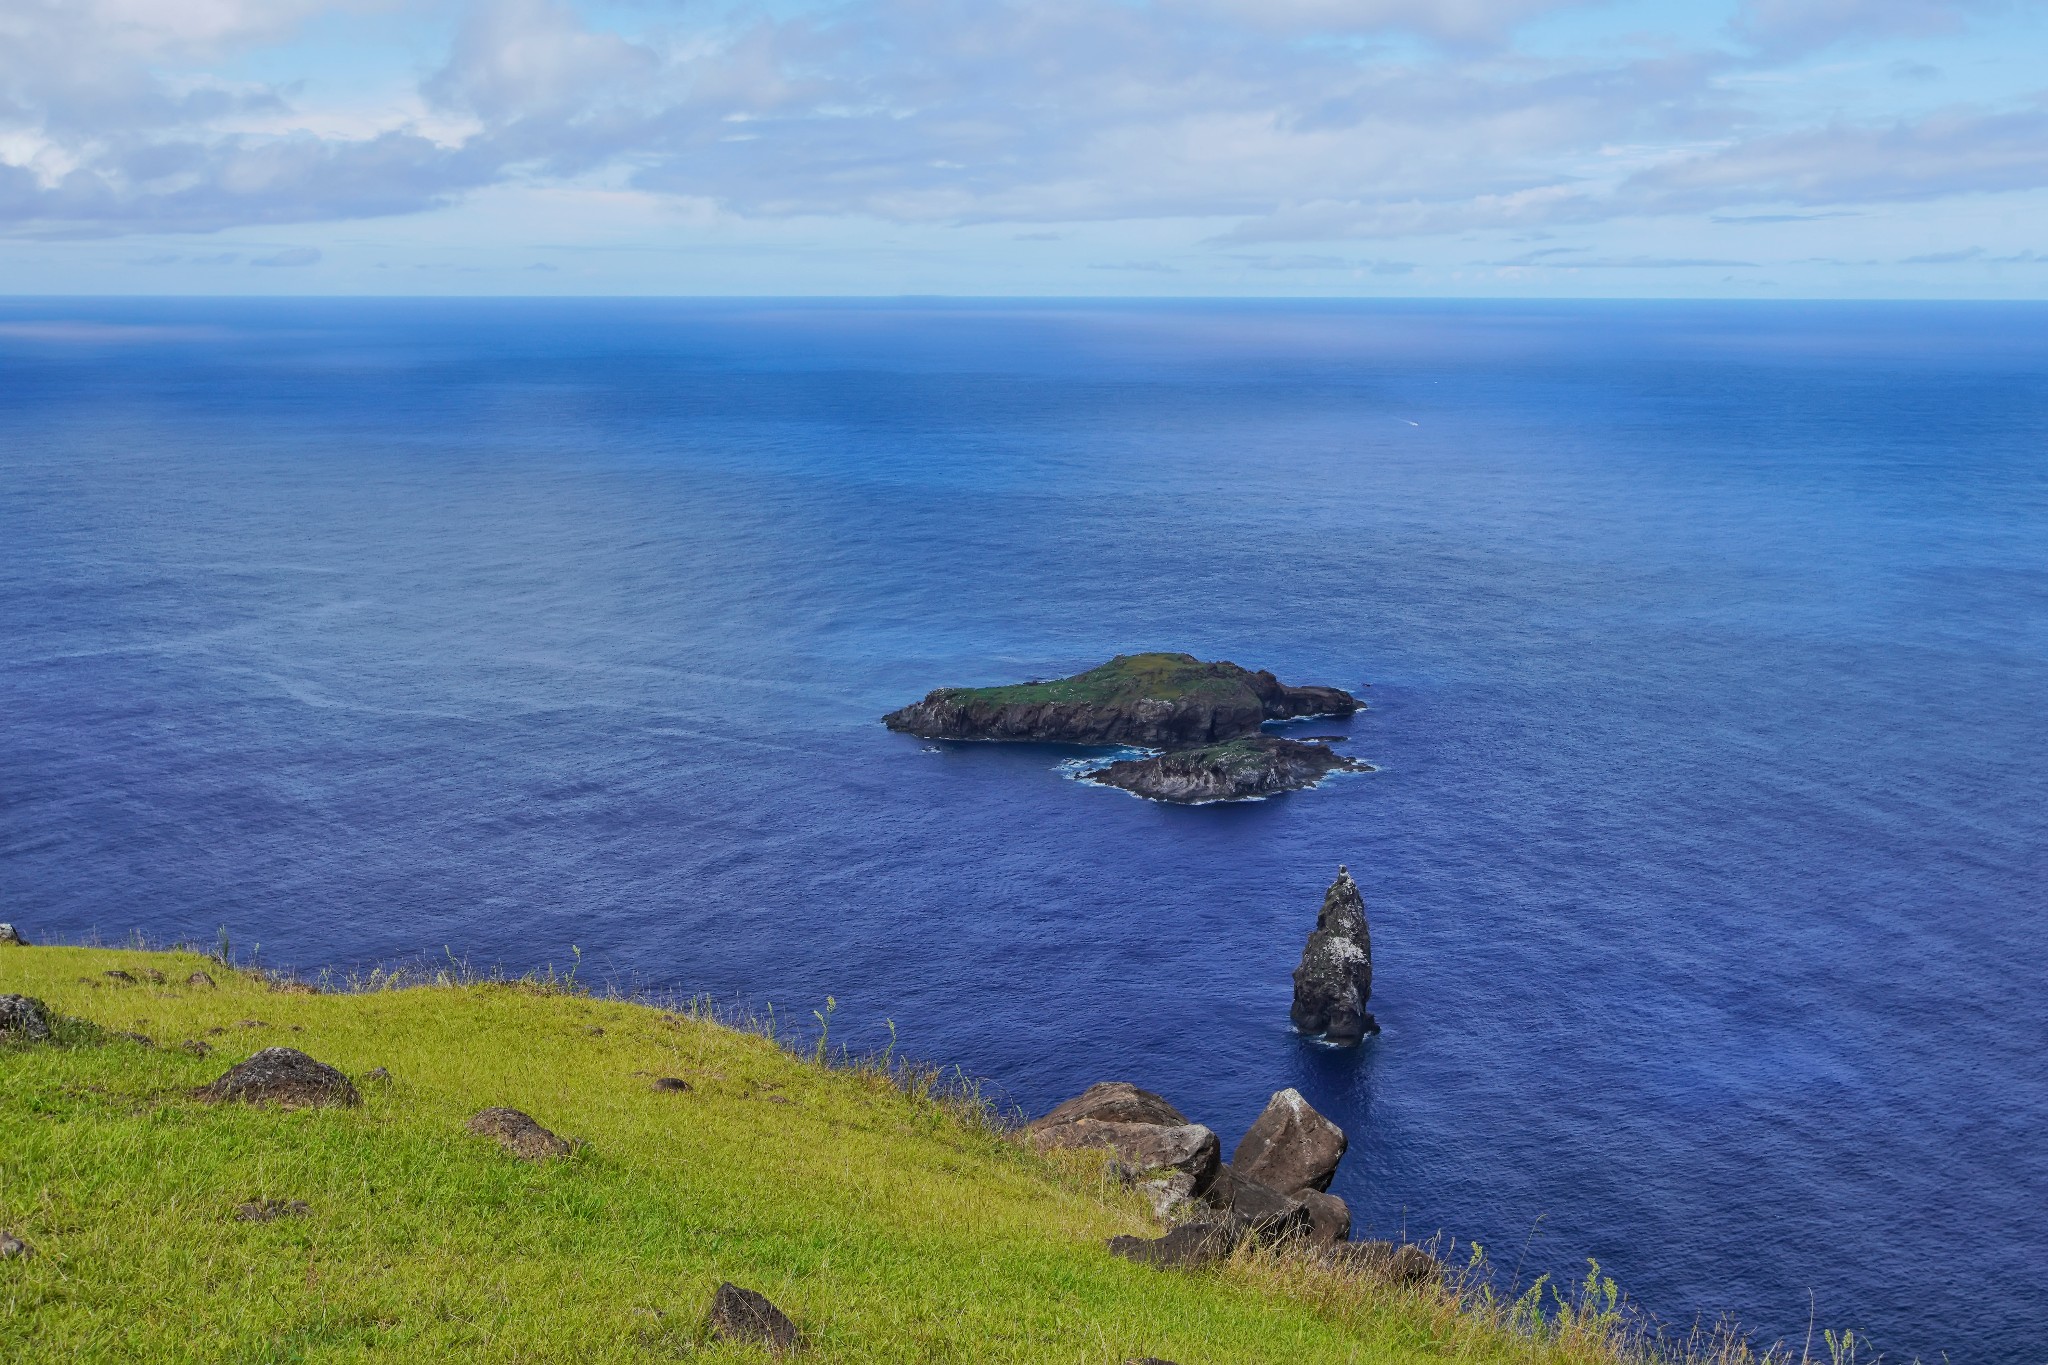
(1275, 1187)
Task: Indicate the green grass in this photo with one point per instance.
(891, 1226)
(1127, 677)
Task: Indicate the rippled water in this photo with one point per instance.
(1704, 644)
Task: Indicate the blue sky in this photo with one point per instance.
(1754, 148)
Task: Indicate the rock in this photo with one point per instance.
(270, 1210)
(1169, 1194)
(10, 934)
(1334, 981)
(199, 979)
(1187, 1246)
(116, 974)
(251, 1023)
(153, 976)
(140, 1039)
(742, 1315)
(1186, 1147)
(283, 1076)
(671, 1084)
(1329, 1218)
(1243, 769)
(1147, 1360)
(1262, 1211)
(377, 1075)
(196, 1048)
(24, 1018)
(1167, 701)
(1390, 1263)
(518, 1134)
(1113, 1102)
(1290, 1147)
(13, 1248)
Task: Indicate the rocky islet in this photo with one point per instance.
(1203, 718)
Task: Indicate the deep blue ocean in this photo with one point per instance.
(1706, 647)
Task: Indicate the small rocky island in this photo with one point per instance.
(1203, 718)
(1334, 981)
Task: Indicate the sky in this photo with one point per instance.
(1322, 148)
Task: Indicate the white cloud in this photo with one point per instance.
(1270, 120)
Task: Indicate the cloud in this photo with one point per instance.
(1268, 121)
(1451, 21)
(290, 256)
(1954, 152)
(1791, 28)
(1976, 255)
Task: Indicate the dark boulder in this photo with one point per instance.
(1187, 1246)
(1259, 1210)
(200, 979)
(518, 1134)
(1187, 1147)
(674, 1085)
(115, 974)
(24, 1018)
(1334, 981)
(1113, 1102)
(12, 1247)
(10, 934)
(1290, 1147)
(284, 1076)
(1329, 1218)
(742, 1315)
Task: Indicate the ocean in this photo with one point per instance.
(1704, 646)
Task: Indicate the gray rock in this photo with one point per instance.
(283, 1076)
(12, 1247)
(1185, 1147)
(674, 1085)
(1329, 1218)
(518, 1134)
(1334, 981)
(1187, 1246)
(10, 934)
(1169, 1194)
(1291, 1147)
(1113, 1102)
(742, 1315)
(24, 1017)
(116, 974)
(377, 1075)
(199, 979)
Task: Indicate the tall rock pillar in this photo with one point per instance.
(1334, 981)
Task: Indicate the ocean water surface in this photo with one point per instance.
(1704, 644)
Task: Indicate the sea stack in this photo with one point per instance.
(1334, 981)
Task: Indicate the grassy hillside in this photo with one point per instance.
(889, 1226)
